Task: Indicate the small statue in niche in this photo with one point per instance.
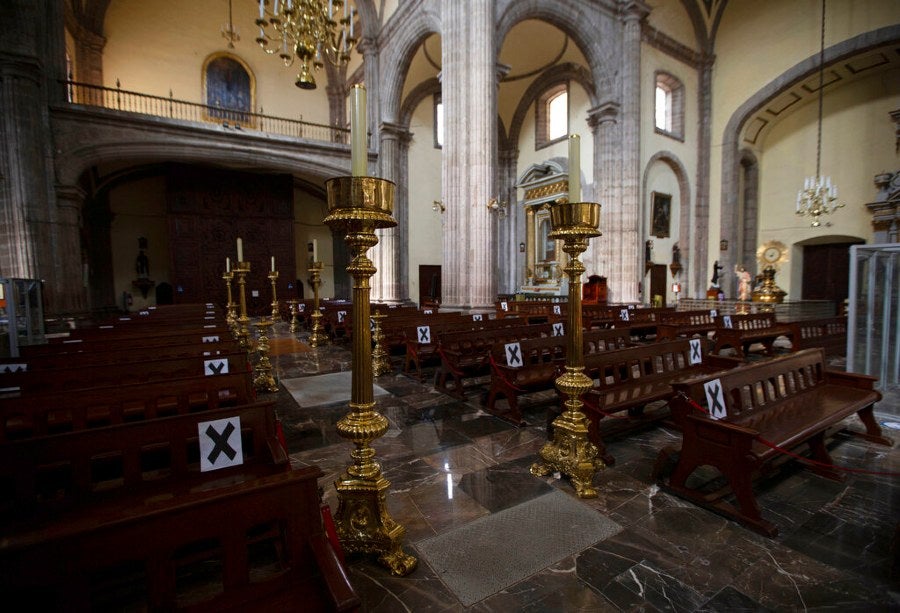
(715, 278)
(676, 254)
(142, 265)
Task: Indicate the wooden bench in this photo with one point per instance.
(123, 517)
(673, 324)
(147, 338)
(830, 333)
(739, 332)
(729, 420)
(55, 412)
(78, 377)
(467, 354)
(628, 379)
(532, 365)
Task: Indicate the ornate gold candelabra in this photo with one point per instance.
(292, 306)
(276, 314)
(358, 206)
(317, 334)
(263, 381)
(381, 361)
(231, 307)
(570, 452)
(242, 269)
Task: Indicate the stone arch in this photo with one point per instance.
(731, 156)
(412, 28)
(686, 213)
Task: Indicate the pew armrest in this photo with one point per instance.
(341, 592)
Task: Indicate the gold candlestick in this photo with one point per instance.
(381, 361)
(295, 325)
(242, 269)
(263, 380)
(317, 334)
(276, 314)
(359, 206)
(231, 307)
(570, 452)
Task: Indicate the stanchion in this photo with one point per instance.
(242, 269)
(276, 313)
(263, 381)
(317, 334)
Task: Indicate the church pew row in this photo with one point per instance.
(125, 517)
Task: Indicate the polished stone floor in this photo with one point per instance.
(450, 463)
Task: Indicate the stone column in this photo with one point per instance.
(88, 60)
(469, 94)
(627, 242)
(393, 272)
(35, 236)
(601, 257)
(697, 262)
(511, 262)
(72, 286)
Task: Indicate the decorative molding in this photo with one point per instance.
(537, 193)
(663, 42)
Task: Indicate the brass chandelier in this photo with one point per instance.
(818, 196)
(308, 31)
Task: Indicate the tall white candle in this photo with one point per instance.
(227, 264)
(240, 247)
(574, 168)
(273, 263)
(262, 9)
(315, 250)
(358, 130)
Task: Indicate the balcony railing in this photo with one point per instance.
(158, 106)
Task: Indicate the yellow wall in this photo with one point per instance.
(309, 211)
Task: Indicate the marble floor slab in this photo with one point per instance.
(450, 464)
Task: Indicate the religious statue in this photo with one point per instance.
(715, 278)
(676, 254)
(743, 282)
(142, 265)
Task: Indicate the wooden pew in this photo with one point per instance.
(467, 354)
(739, 332)
(532, 365)
(729, 420)
(674, 324)
(830, 333)
(77, 377)
(55, 412)
(630, 378)
(146, 338)
(122, 517)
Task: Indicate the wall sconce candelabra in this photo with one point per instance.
(494, 205)
(309, 31)
(438, 206)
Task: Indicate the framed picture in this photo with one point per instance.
(662, 213)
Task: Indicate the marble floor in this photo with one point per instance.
(450, 463)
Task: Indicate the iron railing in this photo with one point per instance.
(126, 101)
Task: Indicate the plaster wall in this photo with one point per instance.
(309, 211)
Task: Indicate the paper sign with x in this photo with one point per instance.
(504, 306)
(713, 313)
(513, 355)
(476, 317)
(696, 355)
(623, 315)
(557, 310)
(558, 329)
(423, 333)
(215, 367)
(715, 399)
(220, 443)
(342, 315)
(726, 321)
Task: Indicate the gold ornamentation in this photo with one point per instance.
(772, 253)
(292, 306)
(358, 206)
(317, 334)
(276, 313)
(231, 307)
(535, 193)
(381, 360)
(570, 452)
(263, 381)
(242, 269)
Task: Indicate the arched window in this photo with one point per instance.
(229, 89)
(669, 106)
(552, 121)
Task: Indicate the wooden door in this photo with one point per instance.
(429, 284)
(826, 272)
(659, 281)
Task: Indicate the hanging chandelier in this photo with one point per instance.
(308, 31)
(229, 32)
(818, 196)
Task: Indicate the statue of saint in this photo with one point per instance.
(715, 278)
(743, 282)
(142, 265)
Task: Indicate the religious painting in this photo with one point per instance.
(229, 90)
(661, 214)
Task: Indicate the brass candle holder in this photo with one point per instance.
(358, 206)
(570, 452)
(276, 313)
(242, 269)
(292, 307)
(231, 307)
(263, 381)
(317, 334)
(381, 361)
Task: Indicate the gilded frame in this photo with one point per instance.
(661, 214)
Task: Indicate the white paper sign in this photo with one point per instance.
(513, 355)
(211, 339)
(220, 443)
(504, 306)
(14, 368)
(557, 310)
(696, 353)
(423, 334)
(341, 316)
(726, 321)
(476, 317)
(713, 313)
(558, 329)
(212, 368)
(715, 399)
(301, 307)
(623, 315)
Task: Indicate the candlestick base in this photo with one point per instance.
(317, 334)
(295, 325)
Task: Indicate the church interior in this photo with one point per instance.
(398, 247)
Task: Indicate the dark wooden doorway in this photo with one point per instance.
(429, 284)
(659, 281)
(826, 271)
